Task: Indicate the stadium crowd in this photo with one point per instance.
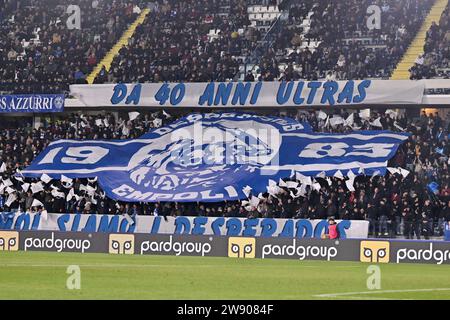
(435, 62)
(39, 52)
(413, 202)
(347, 48)
(175, 43)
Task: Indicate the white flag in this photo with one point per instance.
(66, 179)
(36, 203)
(307, 181)
(3, 167)
(25, 187)
(336, 120)
(157, 123)
(36, 187)
(398, 127)
(350, 174)
(364, 114)
(12, 197)
(92, 180)
(133, 115)
(98, 122)
(45, 178)
(349, 184)
(392, 114)
(316, 186)
(393, 170)
(321, 174)
(10, 190)
(376, 173)
(292, 184)
(70, 195)
(322, 115)
(338, 174)
(281, 183)
(299, 176)
(166, 114)
(125, 131)
(246, 190)
(254, 201)
(57, 194)
(245, 203)
(7, 182)
(376, 123)
(403, 172)
(67, 185)
(294, 196)
(273, 190)
(90, 190)
(350, 120)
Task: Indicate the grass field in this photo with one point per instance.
(39, 275)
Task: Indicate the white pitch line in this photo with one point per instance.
(113, 265)
(102, 265)
(333, 295)
(369, 298)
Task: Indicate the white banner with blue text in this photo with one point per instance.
(252, 94)
(219, 226)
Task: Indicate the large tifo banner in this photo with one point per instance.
(32, 103)
(213, 156)
(251, 94)
(267, 227)
(368, 251)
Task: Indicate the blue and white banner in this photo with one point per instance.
(251, 94)
(267, 227)
(32, 103)
(213, 156)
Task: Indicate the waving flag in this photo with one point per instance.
(213, 156)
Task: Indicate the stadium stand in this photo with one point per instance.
(200, 41)
(435, 62)
(331, 43)
(163, 50)
(251, 40)
(425, 155)
(40, 54)
(308, 40)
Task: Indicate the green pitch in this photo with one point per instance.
(38, 275)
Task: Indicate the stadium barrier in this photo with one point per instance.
(370, 251)
(218, 226)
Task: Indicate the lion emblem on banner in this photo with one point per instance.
(204, 153)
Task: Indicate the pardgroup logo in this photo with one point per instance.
(9, 241)
(431, 253)
(171, 246)
(374, 251)
(121, 244)
(241, 247)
